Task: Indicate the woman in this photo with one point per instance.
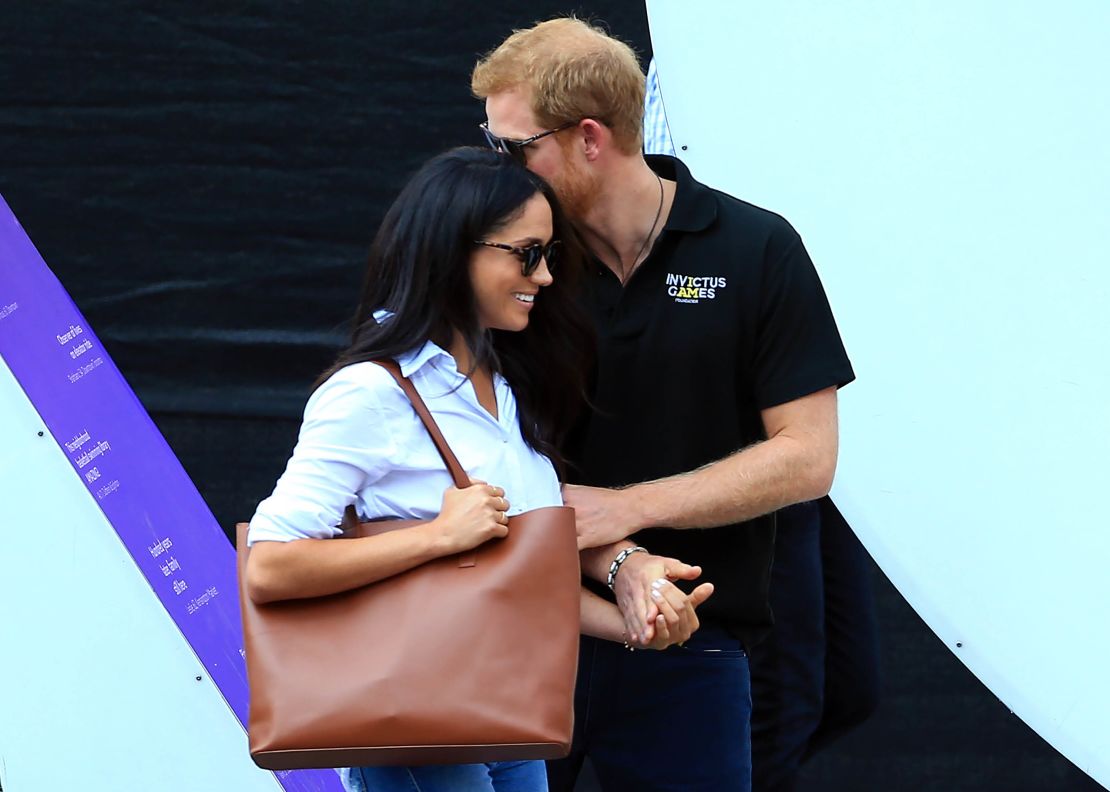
(460, 292)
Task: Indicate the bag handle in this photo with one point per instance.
(462, 481)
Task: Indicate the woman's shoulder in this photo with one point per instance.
(358, 385)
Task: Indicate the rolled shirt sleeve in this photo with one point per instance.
(345, 444)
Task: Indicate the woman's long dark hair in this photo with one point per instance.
(419, 271)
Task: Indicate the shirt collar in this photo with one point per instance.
(694, 207)
(414, 359)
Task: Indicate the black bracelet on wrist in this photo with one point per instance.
(615, 567)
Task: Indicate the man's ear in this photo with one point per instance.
(596, 137)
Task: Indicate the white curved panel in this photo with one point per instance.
(100, 690)
(121, 657)
(948, 166)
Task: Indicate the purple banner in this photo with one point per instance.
(128, 468)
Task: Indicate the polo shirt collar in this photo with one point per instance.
(694, 207)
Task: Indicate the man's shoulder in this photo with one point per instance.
(720, 216)
(736, 213)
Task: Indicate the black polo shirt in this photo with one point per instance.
(725, 317)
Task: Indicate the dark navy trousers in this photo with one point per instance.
(816, 675)
(676, 720)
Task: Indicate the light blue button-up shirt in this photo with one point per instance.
(657, 132)
(361, 442)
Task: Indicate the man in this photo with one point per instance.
(714, 404)
(815, 676)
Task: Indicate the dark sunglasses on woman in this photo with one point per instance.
(530, 256)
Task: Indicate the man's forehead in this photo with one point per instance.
(509, 113)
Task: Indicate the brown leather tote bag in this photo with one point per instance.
(463, 659)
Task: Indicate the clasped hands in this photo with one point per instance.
(656, 613)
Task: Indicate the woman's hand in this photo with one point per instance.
(470, 517)
(633, 587)
(678, 618)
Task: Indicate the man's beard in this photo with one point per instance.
(576, 190)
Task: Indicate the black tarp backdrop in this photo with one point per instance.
(205, 179)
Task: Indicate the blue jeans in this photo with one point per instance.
(671, 720)
(816, 675)
(492, 776)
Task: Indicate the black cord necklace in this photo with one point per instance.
(651, 233)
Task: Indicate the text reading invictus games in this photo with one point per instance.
(693, 289)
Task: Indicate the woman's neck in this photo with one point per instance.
(464, 360)
(479, 378)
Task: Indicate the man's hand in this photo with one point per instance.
(602, 516)
(633, 587)
(682, 619)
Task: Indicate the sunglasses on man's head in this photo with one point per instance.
(530, 256)
(515, 148)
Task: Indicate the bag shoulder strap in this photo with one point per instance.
(462, 480)
(350, 521)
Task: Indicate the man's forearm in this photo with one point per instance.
(750, 483)
(796, 463)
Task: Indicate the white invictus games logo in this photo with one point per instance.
(689, 289)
